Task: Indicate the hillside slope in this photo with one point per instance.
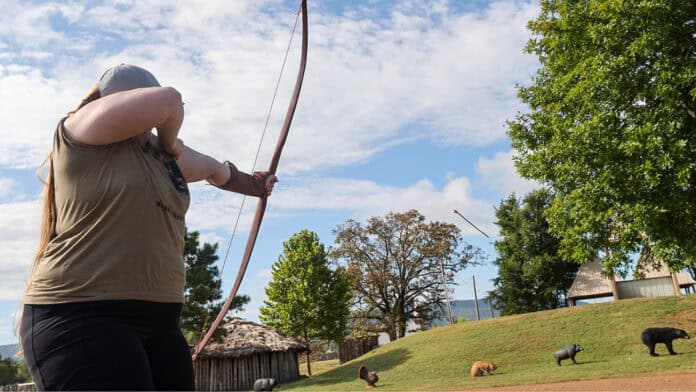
(523, 346)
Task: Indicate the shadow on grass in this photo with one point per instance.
(667, 355)
(587, 363)
(580, 363)
(349, 372)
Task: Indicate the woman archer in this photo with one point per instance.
(101, 310)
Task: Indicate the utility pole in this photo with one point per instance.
(478, 316)
(444, 283)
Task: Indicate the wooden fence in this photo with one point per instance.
(239, 373)
(351, 348)
(25, 387)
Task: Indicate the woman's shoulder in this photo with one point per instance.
(64, 140)
(63, 137)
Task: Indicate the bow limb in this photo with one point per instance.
(261, 205)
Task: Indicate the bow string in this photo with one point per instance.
(261, 205)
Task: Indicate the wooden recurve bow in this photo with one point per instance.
(261, 205)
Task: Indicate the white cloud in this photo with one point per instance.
(250, 312)
(29, 25)
(423, 73)
(214, 210)
(500, 173)
(20, 222)
(7, 327)
(35, 104)
(8, 187)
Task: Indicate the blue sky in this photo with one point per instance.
(404, 106)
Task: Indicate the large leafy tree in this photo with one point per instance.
(306, 297)
(531, 274)
(611, 126)
(202, 293)
(399, 264)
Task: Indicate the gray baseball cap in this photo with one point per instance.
(125, 77)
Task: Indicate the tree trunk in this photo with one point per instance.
(309, 368)
(402, 328)
(392, 333)
(401, 318)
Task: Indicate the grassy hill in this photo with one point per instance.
(523, 346)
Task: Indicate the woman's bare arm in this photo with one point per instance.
(196, 166)
(128, 114)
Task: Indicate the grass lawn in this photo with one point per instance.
(523, 346)
(318, 367)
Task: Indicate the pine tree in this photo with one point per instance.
(202, 292)
(531, 274)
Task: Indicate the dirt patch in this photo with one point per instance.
(661, 382)
(685, 317)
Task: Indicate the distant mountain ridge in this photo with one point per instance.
(466, 308)
(9, 351)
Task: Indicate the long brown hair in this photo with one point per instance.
(48, 231)
(48, 218)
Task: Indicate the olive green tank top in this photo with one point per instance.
(120, 225)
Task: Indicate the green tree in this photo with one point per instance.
(23, 374)
(12, 372)
(611, 126)
(306, 298)
(531, 274)
(7, 371)
(398, 264)
(202, 292)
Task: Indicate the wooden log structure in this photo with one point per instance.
(353, 347)
(248, 351)
(239, 373)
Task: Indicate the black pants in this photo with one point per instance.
(106, 345)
